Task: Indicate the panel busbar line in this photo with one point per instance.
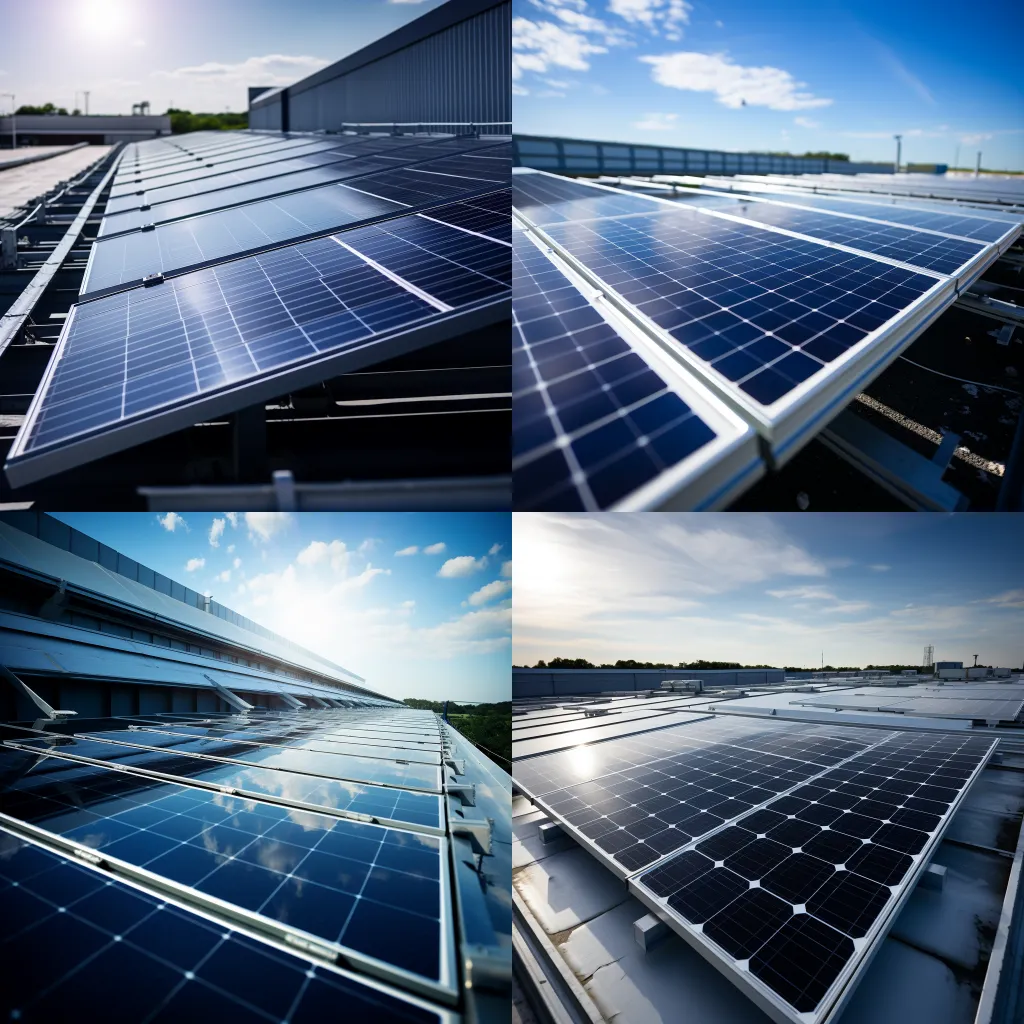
(597, 425)
(785, 328)
(71, 933)
(686, 782)
(792, 901)
(145, 362)
(346, 884)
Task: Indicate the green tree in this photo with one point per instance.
(183, 121)
(46, 108)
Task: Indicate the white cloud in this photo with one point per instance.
(171, 521)
(359, 581)
(733, 84)
(263, 525)
(806, 122)
(271, 69)
(489, 592)
(231, 549)
(224, 577)
(370, 544)
(803, 594)
(539, 46)
(847, 607)
(1008, 599)
(194, 563)
(435, 549)
(494, 549)
(667, 15)
(506, 568)
(411, 550)
(657, 122)
(232, 518)
(216, 531)
(719, 24)
(880, 568)
(336, 554)
(463, 565)
(238, 563)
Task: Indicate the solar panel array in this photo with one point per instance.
(223, 305)
(775, 324)
(789, 900)
(72, 937)
(593, 421)
(345, 865)
(1006, 707)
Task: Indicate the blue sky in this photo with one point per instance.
(772, 589)
(418, 604)
(192, 54)
(842, 77)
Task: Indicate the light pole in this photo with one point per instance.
(14, 134)
(956, 161)
(899, 141)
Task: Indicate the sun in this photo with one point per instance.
(103, 19)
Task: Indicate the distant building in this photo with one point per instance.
(68, 130)
(940, 665)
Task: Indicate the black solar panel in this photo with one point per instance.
(780, 897)
(74, 939)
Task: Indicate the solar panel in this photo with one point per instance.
(948, 707)
(960, 223)
(233, 189)
(383, 804)
(784, 329)
(930, 251)
(789, 901)
(649, 795)
(146, 361)
(73, 936)
(595, 424)
(372, 769)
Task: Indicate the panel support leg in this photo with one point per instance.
(249, 444)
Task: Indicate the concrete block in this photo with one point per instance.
(648, 931)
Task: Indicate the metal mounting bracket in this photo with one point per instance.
(234, 700)
(480, 831)
(465, 791)
(33, 696)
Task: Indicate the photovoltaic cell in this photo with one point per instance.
(831, 861)
(378, 802)
(72, 937)
(965, 226)
(135, 352)
(765, 312)
(931, 252)
(650, 794)
(592, 421)
(349, 884)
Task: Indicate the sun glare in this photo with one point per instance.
(102, 19)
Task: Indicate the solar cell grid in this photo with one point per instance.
(765, 312)
(838, 873)
(655, 793)
(951, 223)
(348, 883)
(592, 421)
(931, 252)
(72, 937)
(133, 353)
(404, 807)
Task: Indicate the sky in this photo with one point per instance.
(190, 54)
(418, 604)
(782, 590)
(792, 75)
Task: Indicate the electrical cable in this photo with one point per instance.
(961, 380)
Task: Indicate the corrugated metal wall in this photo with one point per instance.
(544, 683)
(462, 74)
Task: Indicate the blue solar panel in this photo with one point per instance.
(138, 352)
(213, 236)
(592, 421)
(197, 169)
(951, 223)
(379, 802)
(931, 252)
(764, 311)
(73, 938)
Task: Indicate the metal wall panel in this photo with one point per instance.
(459, 75)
